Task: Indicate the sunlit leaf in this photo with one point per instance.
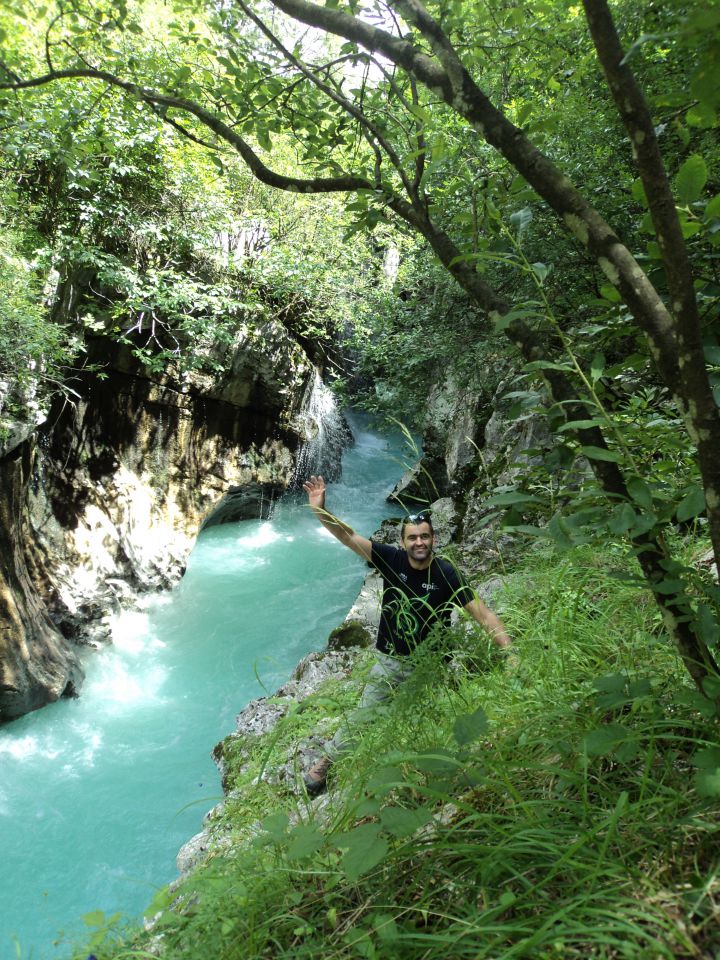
(521, 219)
(513, 496)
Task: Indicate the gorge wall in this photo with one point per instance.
(106, 497)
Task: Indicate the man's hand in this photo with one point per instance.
(314, 487)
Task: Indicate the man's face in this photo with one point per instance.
(418, 540)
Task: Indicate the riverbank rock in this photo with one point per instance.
(114, 487)
(37, 665)
(259, 719)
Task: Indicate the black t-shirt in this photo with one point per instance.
(414, 601)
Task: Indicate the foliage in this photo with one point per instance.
(34, 355)
(512, 811)
(140, 234)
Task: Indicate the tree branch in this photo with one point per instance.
(343, 184)
(702, 412)
(451, 81)
(373, 134)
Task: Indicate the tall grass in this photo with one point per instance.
(566, 806)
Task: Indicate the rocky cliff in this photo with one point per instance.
(106, 497)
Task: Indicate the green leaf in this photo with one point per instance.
(161, 901)
(305, 839)
(364, 849)
(712, 354)
(640, 492)
(707, 782)
(690, 228)
(541, 270)
(610, 293)
(712, 210)
(96, 918)
(645, 521)
(385, 779)
(556, 529)
(275, 826)
(701, 116)
(469, 727)
(668, 587)
(705, 82)
(513, 496)
(638, 192)
(692, 504)
(524, 112)
(605, 740)
(612, 690)
(707, 779)
(580, 425)
(523, 313)
(711, 687)
(600, 453)
(708, 627)
(597, 366)
(694, 700)
(622, 518)
(528, 529)
(385, 927)
(521, 219)
(691, 179)
(403, 823)
(547, 365)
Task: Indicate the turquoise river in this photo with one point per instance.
(98, 794)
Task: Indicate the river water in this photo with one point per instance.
(98, 794)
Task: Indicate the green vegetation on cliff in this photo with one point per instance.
(563, 805)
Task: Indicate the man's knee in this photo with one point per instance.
(384, 676)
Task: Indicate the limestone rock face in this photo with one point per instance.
(504, 445)
(470, 446)
(107, 498)
(455, 419)
(36, 663)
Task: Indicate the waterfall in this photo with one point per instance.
(324, 432)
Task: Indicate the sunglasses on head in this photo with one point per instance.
(414, 518)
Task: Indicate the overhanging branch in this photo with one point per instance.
(343, 184)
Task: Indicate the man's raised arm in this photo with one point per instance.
(315, 489)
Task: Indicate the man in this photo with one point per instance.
(419, 591)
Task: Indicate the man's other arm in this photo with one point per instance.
(489, 621)
(315, 489)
